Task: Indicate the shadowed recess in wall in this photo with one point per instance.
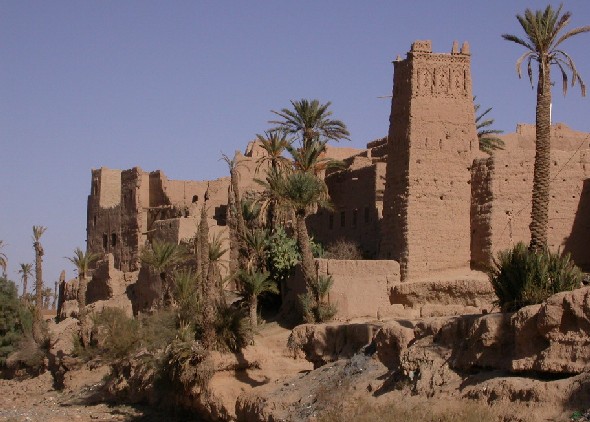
(578, 242)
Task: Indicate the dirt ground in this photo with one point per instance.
(36, 400)
(291, 389)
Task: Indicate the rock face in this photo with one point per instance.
(552, 337)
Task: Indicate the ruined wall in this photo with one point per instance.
(426, 216)
(357, 198)
(115, 220)
(511, 185)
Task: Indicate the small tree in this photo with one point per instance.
(26, 271)
(82, 261)
(161, 257)
(254, 284)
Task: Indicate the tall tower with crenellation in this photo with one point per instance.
(431, 145)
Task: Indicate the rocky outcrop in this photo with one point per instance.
(322, 343)
(69, 306)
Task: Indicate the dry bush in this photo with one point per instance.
(343, 249)
(117, 336)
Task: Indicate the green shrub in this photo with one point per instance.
(521, 277)
(16, 321)
(283, 255)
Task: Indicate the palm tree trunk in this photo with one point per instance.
(25, 282)
(85, 324)
(38, 335)
(38, 276)
(82, 288)
(307, 263)
(542, 166)
(253, 311)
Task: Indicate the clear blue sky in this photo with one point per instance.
(171, 84)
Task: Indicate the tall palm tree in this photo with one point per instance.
(302, 192)
(254, 284)
(161, 257)
(486, 136)
(544, 33)
(39, 252)
(82, 261)
(310, 120)
(26, 271)
(38, 334)
(3, 259)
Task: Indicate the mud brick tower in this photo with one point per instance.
(432, 142)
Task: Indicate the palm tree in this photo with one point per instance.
(82, 261)
(3, 259)
(39, 252)
(486, 136)
(254, 284)
(544, 33)
(256, 239)
(312, 158)
(186, 296)
(38, 334)
(274, 142)
(311, 121)
(26, 270)
(302, 192)
(160, 257)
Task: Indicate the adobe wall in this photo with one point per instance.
(114, 217)
(510, 183)
(357, 198)
(361, 288)
(432, 144)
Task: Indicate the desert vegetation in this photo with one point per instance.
(211, 290)
(522, 277)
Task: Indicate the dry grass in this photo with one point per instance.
(362, 411)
